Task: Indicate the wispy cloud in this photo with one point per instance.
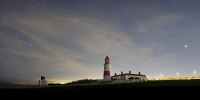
(73, 47)
(158, 22)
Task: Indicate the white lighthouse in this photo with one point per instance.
(106, 75)
(43, 81)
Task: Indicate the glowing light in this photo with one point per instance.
(157, 79)
(186, 46)
(56, 81)
(194, 72)
(177, 74)
(161, 75)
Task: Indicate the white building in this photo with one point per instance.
(43, 81)
(130, 77)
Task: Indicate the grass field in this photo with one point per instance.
(149, 88)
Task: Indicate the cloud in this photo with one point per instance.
(73, 47)
(158, 22)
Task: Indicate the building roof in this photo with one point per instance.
(128, 74)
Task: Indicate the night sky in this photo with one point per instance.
(68, 40)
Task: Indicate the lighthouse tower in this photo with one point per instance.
(106, 76)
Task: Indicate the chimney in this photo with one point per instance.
(129, 72)
(121, 72)
(139, 73)
(115, 74)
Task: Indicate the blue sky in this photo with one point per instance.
(68, 40)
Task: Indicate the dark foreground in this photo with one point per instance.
(150, 88)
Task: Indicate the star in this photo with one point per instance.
(194, 72)
(185, 46)
(161, 75)
(31, 45)
(4, 21)
(39, 3)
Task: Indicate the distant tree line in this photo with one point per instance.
(50, 84)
